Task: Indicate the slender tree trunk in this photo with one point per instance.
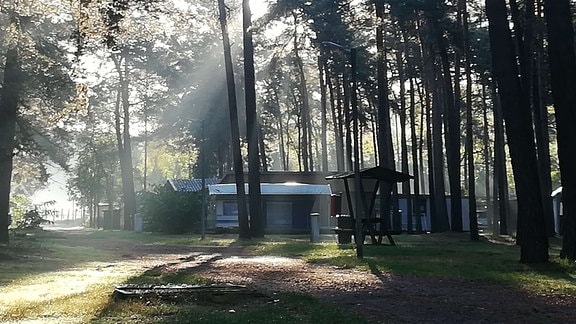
(423, 110)
(500, 169)
(452, 133)
(563, 72)
(474, 235)
(323, 116)
(256, 221)
(243, 224)
(304, 104)
(429, 152)
(385, 150)
(9, 99)
(130, 194)
(415, 147)
(438, 210)
(541, 117)
(337, 121)
(440, 221)
(262, 145)
(348, 122)
(403, 139)
(532, 233)
(279, 128)
(124, 143)
(487, 157)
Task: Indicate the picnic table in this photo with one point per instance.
(381, 180)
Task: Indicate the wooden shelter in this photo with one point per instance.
(378, 180)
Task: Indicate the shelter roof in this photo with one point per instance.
(378, 173)
(287, 188)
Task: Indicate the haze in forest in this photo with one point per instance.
(471, 98)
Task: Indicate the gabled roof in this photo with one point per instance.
(288, 188)
(190, 185)
(378, 173)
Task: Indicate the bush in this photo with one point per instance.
(31, 220)
(171, 212)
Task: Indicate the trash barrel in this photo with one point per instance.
(314, 227)
(344, 229)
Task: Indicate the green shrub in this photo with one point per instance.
(171, 212)
(31, 219)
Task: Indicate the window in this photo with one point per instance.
(279, 214)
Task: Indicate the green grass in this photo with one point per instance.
(450, 255)
(283, 308)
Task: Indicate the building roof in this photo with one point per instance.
(378, 173)
(190, 185)
(287, 188)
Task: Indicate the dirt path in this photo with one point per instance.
(381, 297)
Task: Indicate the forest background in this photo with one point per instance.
(473, 98)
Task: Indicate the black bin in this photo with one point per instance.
(345, 228)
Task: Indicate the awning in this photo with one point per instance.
(287, 188)
(377, 173)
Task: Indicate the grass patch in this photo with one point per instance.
(447, 255)
(48, 277)
(281, 308)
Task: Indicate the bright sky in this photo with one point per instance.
(56, 188)
(258, 7)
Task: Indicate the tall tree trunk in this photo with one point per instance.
(423, 98)
(429, 152)
(9, 99)
(416, 146)
(124, 143)
(347, 121)
(280, 131)
(338, 122)
(500, 169)
(452, 115)
(563, 72)
(532, 233)
(243, 224)
(472, 216)
(541, 116)
(487, 157)
(262, 145)
(304, 104)
(438, 210)
(129, 192)
(323, 116)
(403, 138)
(524, 24)
(385, 150)
(440, 222)
(256, 221)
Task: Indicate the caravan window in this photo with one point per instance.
(230, 208)
(279, 214)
